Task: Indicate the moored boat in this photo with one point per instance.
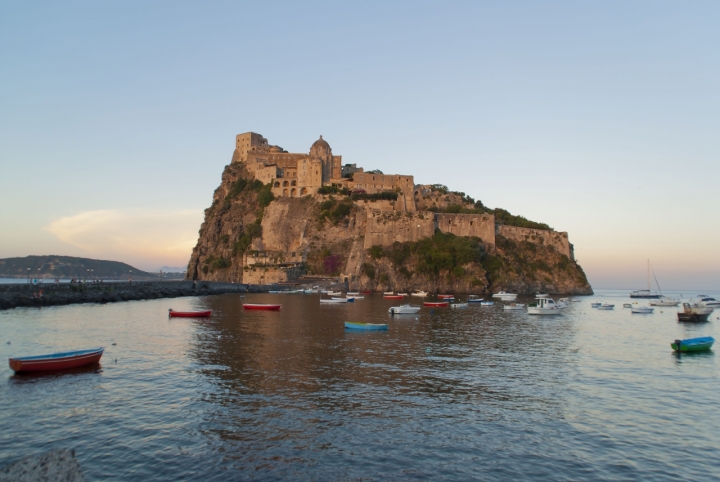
(189, 314)
(262, 306)
(458, 305)
(436, 304)
(404, 310)
(694, 312)
(541, 295)
(487, 303)
(693, 344)
(606, 306)
(665, 301)
(642, 310)
(353, 325)
(514, 307)
(349, 299)
(505, 296)
(334, 293)
(474, 299)
(544, 306)
(393, 297)
(705, 300)
(421, 294)
(446, 297)
(595, 305)
(56, 361)
(333, 300)
(627, 305)
(575, 300)
(353, 293)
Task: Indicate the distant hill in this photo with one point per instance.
(69, 267)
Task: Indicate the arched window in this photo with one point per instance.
(285, 183)
(293, 183)
(285, 192)
(303, 191)
(293, 193)
(277, 184)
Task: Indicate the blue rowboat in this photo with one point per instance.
(703, 343)
(352, 325)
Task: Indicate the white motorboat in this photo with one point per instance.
(310, 291)
(353, 293)
(545, 306)
(334, 293)
(665, 301)
(708, 301)
(575, 300)
(642, 309)
(421, 294)
(541, 295)
(505, 296)
(404, 310)
(458, 305)
(388, 292)
(334, 300)
(487, 303)
(355, 297)
(606, 306)
(402, 294)
(595, 305)
(514, 307)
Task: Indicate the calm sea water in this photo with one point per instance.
(474, 394)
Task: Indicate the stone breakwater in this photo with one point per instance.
(52, 294)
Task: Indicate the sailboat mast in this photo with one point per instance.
(648, 273)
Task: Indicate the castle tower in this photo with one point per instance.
(331, 164)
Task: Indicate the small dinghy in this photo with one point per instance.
(606, 306)
(474, 299)
(403, 310)
(458, 305)
(349, 299)
(436, 304)
(421, 294)
(446, 297)
(642, 310)
(353, 293)
(262, 306)
(393, 297)
(693, 344)
(353, 325)
(333, 300)
(595, 305)
(355, 297)
(574, 300)
(627, 305)
(189, 314)
(56, 361)
(487, 303)
(505, 296)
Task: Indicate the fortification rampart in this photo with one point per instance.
(538, 236)
(384, 228)
(479, 225)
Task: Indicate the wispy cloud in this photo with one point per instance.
(149, 238)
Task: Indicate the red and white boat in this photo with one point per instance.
(262, 306)
(189, 314)
(446, 297)
(56, 361)
(393, 297)
(436, 304)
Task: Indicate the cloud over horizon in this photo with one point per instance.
(146, 238)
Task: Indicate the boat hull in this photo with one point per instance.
(534, 310)
(56, 361)
(262, 307)
(436, 304)
(403, 310)
(642, 311)
(693, 344)
(393, 297)
(190, 314)
(694, 317)
(350, 325)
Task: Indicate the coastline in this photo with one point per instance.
(57, 294)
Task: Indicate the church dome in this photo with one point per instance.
(321, 149)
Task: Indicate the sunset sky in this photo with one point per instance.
(601, 119)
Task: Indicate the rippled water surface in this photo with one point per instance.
(473, 394)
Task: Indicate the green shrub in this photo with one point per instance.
(384, 278)
(376, 252)
(265, 196)
(368, 270)
(237, 187)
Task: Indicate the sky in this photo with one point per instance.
(601, 119)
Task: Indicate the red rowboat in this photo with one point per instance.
(189, 314)
(393, 297)
(56, 361)
(436, 303)
(261, 306)
(446, 297)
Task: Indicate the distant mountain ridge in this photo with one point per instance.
(53, 266)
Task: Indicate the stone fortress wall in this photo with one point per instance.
(479, 225)
(538, 236)
(383, 228)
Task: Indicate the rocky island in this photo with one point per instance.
(279, 217)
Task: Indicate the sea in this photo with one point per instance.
(463, 394)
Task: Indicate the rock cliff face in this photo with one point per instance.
(250, 237)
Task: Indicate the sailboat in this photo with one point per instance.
(645, 293)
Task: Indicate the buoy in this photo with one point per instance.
(8, 343)
(114, 344)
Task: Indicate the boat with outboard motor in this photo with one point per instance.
(644, 310)
(404, 310)
(665, 301)
(692, 345)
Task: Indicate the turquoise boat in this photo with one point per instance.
(353, 325)
(693, 344)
